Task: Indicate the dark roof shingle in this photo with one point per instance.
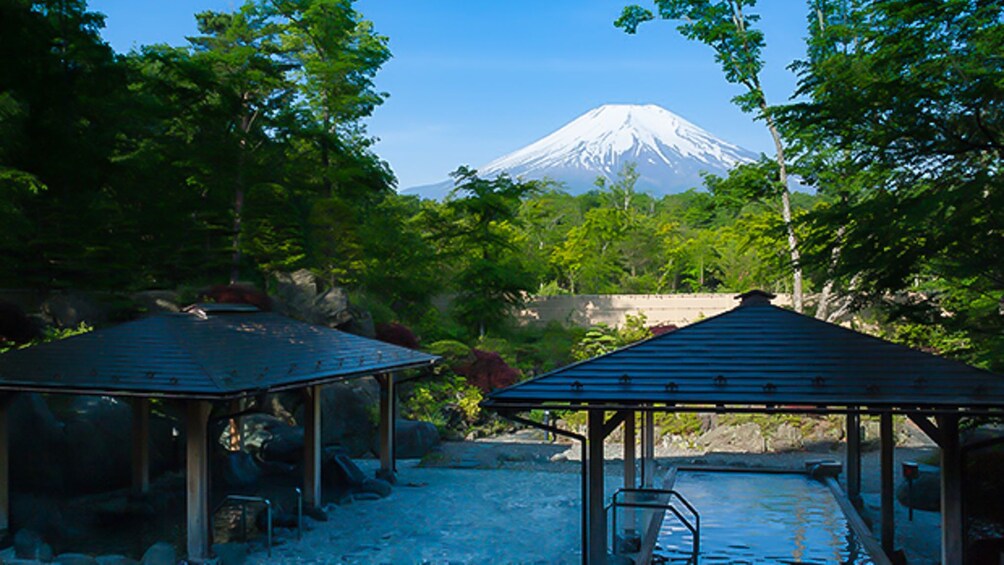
(210, 353)
(759, 354)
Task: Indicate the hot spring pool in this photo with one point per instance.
(761, 518)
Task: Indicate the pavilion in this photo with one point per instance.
(211, 353)
(761, 358)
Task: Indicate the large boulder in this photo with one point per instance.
(69, 310)
(37, 445)
(414, 439)
(237, 469)
(28, 544)
(272, 439)
(340, 472)
(744, 438)
(160, 553)
(348, 410)
(99, 443)
(303, 295)
(785, 438)
(85, 447)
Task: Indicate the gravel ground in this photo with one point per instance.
(515, 499)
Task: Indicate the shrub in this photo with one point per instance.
(488, 371)
(397, 334)
(237, 294)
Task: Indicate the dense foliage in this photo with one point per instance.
(243, 153)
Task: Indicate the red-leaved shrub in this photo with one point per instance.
(487, 371)
(397, 334)
(237, 294)
(660, 329)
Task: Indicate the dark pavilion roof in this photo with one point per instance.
(758, 354)
(211, 351)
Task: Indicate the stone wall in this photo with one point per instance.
(612, 309)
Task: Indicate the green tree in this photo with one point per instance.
(908, 101)
(478, 230)
(726, 26)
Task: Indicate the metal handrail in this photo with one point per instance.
(694, 528)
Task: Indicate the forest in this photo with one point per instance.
(244, 153)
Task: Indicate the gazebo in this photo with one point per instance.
(209, 353)
(761, 358)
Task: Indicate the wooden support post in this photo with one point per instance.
(854, 458)
(952, 517)
(648, 450)
(197, 477)
(4, 465)
(140, 445)
(629, 469)
(387, 428)
(888, 445)
(312, 447)
(629, 451)
(597, 549)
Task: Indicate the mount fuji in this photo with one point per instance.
(669, 151)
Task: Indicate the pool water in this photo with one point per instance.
(761, 518)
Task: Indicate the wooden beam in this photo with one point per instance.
(197, 478)
(387, 428)
(312, 447)
(629, 468)
(927, 427)
(140, 445)
(597, 549)
(888, 444)
(610, 425)
(952, 518)
(629, 450)
(854, 458)
(4, 464)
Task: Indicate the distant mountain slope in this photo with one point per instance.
(671, 153)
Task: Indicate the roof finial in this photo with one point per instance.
(755, 296)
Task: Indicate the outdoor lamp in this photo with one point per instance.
(910, 472)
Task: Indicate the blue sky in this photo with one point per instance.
(472, 79)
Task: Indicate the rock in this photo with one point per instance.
(284, 444)
(302, 295)
(74, 559)
(69, 310)
(926, 490)
(98, 437)
(415, 439)
(154, 301)
(37, 445)
(115, 560)
(232, 553)
(338, 470)
(745, 438)
(160, 553)
(378, 487)
(347, 421)
(28, 544)
(237, 469)
(785, 438)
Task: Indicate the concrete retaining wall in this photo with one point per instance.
(612, 309)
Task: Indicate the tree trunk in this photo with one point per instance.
(796, 287)
(235, 262)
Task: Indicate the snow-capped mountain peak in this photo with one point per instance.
(669, 151)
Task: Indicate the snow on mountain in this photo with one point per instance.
(670, 152)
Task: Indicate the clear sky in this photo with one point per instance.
(474, 79)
